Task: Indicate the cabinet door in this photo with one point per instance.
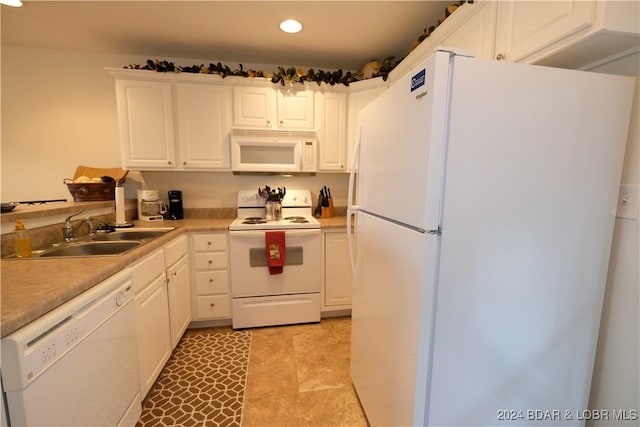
(145, 115)
(203, 126)
(179, 291)
(526, 27)
(477, 33)
(295, 109)
(254, 106)
(337, 271)
(153, 332)
(331, 121)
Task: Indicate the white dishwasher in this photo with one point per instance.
(76, 365)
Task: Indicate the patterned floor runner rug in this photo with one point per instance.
(203, 382)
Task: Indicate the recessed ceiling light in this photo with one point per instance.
(290, 26)
(13, 3)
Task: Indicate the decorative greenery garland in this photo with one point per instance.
(296, 75)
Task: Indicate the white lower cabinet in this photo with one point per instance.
(163, 307)
(178, 287)
(152, 318)
(337, 272)
(211, 276)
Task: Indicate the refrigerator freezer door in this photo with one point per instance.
(391, 320)
(401, 147)
(528, 213)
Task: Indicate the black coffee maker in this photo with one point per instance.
(175, 205)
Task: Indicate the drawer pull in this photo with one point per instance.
(210, 261)
(212, 304)
(209, 243)
(210, 280)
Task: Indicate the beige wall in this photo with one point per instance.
(616, 374)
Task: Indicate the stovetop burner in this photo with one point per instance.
(297, 219)
(254, 221)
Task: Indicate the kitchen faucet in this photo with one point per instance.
(89, 221)
(67, 229)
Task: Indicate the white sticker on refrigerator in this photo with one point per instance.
(418, 80)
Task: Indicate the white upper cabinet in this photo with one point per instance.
(331, 124)
(477, 33)
(269, 108)
(203, 125)
(295, 109)
(254, 106)
(166, 125)
(568, 34)
(145, 113)
(525, 27)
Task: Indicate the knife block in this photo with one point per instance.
(329, 211)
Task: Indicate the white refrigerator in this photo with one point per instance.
(483, 196)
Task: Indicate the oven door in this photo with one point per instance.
(249, 272)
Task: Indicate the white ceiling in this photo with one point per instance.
(336, 34)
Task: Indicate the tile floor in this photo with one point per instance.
(299, 376)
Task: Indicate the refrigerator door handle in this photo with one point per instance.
(352, 209)
(436, 231)
(350, 243)
(354, 170)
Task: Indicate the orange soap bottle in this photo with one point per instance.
(22, 241)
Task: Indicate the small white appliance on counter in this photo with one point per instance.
(292, 296)
(486, 195)
(150, 206)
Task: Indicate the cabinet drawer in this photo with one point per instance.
(147, 270)
(212, 282)
(211, 260)
(210, 242)
(210, 307)
(175, 250)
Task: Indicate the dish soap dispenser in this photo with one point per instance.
(22, 242)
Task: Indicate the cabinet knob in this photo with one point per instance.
(184, 163)
(268, 122)
(212, 304)
(210, 261)
(174, 274)
(501, 56)
(208, 243)
(169, 162)
(210, 280)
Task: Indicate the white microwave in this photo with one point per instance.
(273, 151)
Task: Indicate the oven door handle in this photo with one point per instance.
(261, 233)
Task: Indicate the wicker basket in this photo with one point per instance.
(94, 191)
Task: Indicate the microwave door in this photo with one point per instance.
(259, 155)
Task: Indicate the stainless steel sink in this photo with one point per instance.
(131, 235)
(114, 243)
(80, 249)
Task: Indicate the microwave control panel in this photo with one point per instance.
(308, 156)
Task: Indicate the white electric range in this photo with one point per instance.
(293, 296)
